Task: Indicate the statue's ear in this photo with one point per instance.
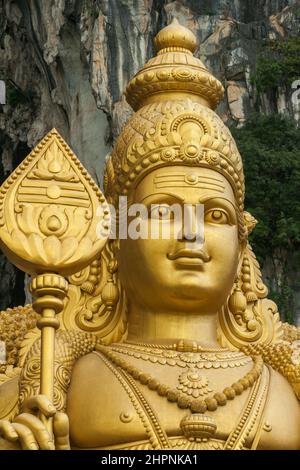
(115, 245)
(249, 225)
(249, 221)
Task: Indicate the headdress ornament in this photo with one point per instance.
(173, 95)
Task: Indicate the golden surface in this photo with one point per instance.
(158, 344)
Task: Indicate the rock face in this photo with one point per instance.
(65, 64)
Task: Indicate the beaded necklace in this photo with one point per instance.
(203, 426)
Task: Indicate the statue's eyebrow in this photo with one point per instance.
(164, 197)
(216, 198)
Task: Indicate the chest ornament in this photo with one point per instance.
(195, 426)
(193, 384)
(211, 359)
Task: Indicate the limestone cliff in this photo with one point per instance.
(65, 63)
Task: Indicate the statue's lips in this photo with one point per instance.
(187, 257)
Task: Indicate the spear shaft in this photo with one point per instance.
(49, 290)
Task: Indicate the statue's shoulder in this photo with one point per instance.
(93, 383)
(281, 420)
(94, 371)
(99, 401)
(89, 364)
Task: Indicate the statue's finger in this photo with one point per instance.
(39, 403)
(61, 431)
(38, 430)
(26, 437)
(7, 430)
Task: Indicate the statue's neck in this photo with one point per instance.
(167, 327)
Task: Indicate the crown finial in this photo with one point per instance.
(174, 73)
(175, 37)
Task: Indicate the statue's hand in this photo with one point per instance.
(31, 432)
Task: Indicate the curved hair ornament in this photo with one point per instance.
(85, 310)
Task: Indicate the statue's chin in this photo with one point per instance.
(191, 295)
(184, 300)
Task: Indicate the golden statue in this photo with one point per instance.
(142, 342)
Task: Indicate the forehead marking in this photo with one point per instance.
(183, 180)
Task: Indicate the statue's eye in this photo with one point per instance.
(216, 216)
(161, 211)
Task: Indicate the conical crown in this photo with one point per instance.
(174, 123)
(175, 71)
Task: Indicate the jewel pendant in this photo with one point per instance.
(198, 427)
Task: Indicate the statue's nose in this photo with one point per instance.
(193, 223)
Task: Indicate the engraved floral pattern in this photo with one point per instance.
(193, 384)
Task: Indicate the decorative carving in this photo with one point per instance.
(169, 132)
(283, 357)
(85, 311)
(198, 427)
(248, 316)
(14, 325)
(70, 346)
(250, 415)
(196, 405)
(193, 384)
(48, 211)
(200, 360)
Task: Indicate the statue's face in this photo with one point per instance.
(183, 274)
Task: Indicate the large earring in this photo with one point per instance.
(110, 292)
(246, 281)
(237, 301)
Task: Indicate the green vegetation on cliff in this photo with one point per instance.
(277, 65)
(270, 146)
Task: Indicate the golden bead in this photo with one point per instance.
(153, 384)
(244, 382)
(162, 390)
(221, 398)
(172, 396)
(238, 388)
(144, 378)
(198, 406)
(183, 402)
(130, 369)
(136, 373)
(211, 404)
(251, 379)
(229, 392)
